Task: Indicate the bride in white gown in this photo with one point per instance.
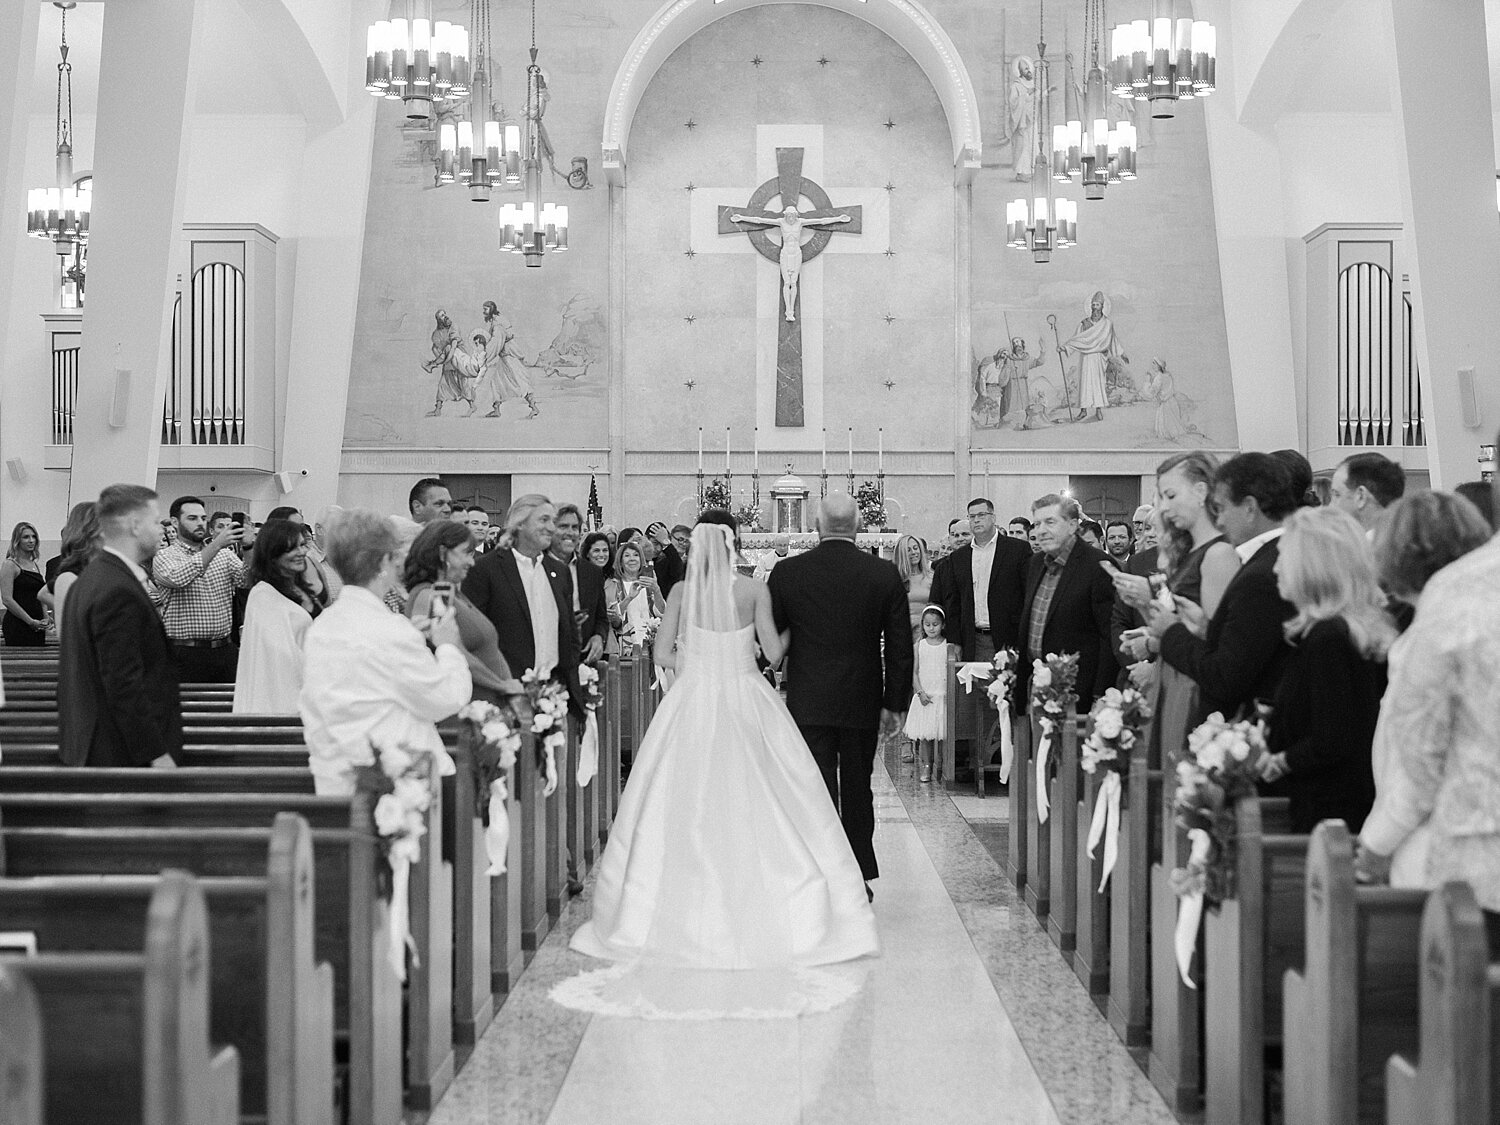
(726, 852)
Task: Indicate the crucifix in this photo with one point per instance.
(790, 254)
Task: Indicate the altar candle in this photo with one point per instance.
(726, 450)
(880, 450)
(755, 450)
(851, 451)
(700, 450)
(825, 451)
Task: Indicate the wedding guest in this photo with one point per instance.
(1323, 489)
(1145, 530)
(597, 550)
(82, 540)
(1199, 566)
(589, 613)
(444, 552)
(1019, 528)
(1482, 496)
(1119, 541)
(916, 571)
(21, 580)
(1300, 469)
(609, 533)
(1241, 654)
(926, 716)
(406, 534)
(198, 575)
(1034, 537)
(631, 597)
(370, 678)
(1323, 716)
(528, 597)
(1437, 787)
(959, 534)
(219, 522)
(1127, 621)
(1365, 485)
(429, 500)
(668, 564)
(1092, 533)
(315, 574)
(1068, 601)
(478, 521)
(278, 612)
(117, 693)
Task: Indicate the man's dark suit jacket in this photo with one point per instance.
(670, 568)
(1077, 621)
(1242, 658)
(1125, 616)
(117, 690)
(953, 589)
(495, 587)
(844, 602)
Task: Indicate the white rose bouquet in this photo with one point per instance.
(401, 782)
(1116, 724)
(1223, 765)
(549, 722)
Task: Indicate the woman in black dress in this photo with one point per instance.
(1323, 718)
(25, 621)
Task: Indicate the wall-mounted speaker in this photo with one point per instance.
(119, 404)
(1468, 399)
(17, 469)
(286, 482)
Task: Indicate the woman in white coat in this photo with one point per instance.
(280, 608)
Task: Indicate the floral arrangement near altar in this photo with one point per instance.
(400, 782)
(1054, 694)
(716, 494)
(871, 504)
(1223, 765)
(748, 516)
(1116, 723)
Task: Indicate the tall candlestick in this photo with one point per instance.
(851, 451)
(755, 450)
(825, 450)
(726, 451)
(880, 449)
(700, 449)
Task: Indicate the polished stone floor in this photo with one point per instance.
(968, 1015)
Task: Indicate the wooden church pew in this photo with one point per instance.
(22, 1080)
(1356, 1002)
(1021, 771)
(352, 927)
(1130, 902)
(214, 730)
(1248, 944)
(126, 1035)
(1062, 842)
(1175, 1062)
(1038, 892)
(1091, 949)
(966, 718)
(267, 996)
(1454, 1078)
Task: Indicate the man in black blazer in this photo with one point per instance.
(840, 605)
(670, 563)
(587, 583)
(511, 586)
(1241, 658)
(1069, 599)
(117, 690)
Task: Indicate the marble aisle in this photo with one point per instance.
(969, 1015)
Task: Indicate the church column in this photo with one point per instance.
(1447, 180)
(615, 509)
(963, 304)
(18, 59)
(140, 172)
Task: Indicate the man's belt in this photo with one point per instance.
(216, 642)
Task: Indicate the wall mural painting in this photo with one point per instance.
(1079, 374)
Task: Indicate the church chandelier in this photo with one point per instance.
(417, 60)
(60, 213)
(480, 150)
(1042, 223)
(1088, 146)
(1164, 59)
(534, 226)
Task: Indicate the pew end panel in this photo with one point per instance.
(21, 1059)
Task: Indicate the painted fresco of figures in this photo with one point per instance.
(453, 384)
(505, 375)
(1174, 411)
(1098, 347)
(1021, 116)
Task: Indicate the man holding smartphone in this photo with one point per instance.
(199, 577)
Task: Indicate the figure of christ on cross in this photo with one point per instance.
(790, 185)
(791, 223)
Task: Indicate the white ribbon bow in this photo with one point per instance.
(974, 670)
(588, 752)
(497, 835)
(1190, 911)
(1043, 806)
(1007, 746)
(1106, 824)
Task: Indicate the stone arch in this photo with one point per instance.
(905, 21)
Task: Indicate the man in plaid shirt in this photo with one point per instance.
(197, 576)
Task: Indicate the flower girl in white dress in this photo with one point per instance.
(927, 717)
(726, 852)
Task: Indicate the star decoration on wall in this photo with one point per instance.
(690, 318)
(888, 252)
(823, 60)
(756, 61)
(691, 187)
(690, 383)
(889, 319)
(690, 124)
(890, 123)
(889, 186)
(690, 252)
(889, 384)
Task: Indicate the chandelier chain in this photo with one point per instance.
(64, 75)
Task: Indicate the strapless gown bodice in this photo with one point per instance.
(719, 654)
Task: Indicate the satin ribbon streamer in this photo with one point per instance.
(1007, 745)
(1043, 806)
(975, 670)
(497, 835)
(1106, 824)
(588, 752)
(400, 919)
(1190, 911)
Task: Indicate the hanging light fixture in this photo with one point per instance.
(1163, 59)
(1041, 224)
(480, 150)
(1088, 145)
(533, 226)
(416, 60)
(60, 214)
